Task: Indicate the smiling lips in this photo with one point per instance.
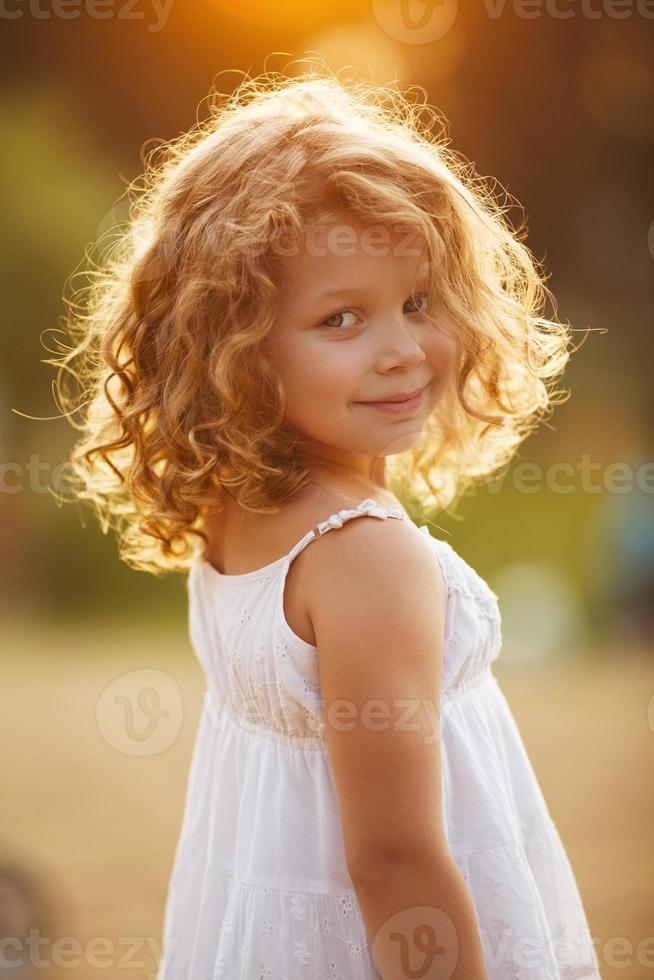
(399, 403)
(397, 398)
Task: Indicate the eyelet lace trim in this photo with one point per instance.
(308, 920)
(464, 580)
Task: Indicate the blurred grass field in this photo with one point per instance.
(97, 827)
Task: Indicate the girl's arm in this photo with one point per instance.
(377, 606)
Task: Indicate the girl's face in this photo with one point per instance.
(350, 330)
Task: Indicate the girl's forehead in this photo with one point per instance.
(342, 248)
(321, 283)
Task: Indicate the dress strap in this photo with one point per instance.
(367, 507)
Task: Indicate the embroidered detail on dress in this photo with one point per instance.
(463, 579)
(306, 924)
(458, 689)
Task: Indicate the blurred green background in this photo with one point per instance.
(560, 110)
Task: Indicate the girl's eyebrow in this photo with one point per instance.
(420, 283)
(339, 291)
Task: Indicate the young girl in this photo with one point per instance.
(316, 312)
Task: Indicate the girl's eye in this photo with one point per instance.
(420, 296)
(335, 326)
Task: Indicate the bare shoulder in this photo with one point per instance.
(377, 605)
(252, 539)
(301, 514)
(372, 565)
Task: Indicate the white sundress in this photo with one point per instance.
(259, 888)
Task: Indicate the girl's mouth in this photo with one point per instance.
(410, 405)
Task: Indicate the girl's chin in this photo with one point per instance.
(393, 440)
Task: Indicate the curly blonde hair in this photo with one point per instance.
(178, 400)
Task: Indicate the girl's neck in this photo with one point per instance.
(258, 539)
(334, 474)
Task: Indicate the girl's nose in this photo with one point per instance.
(400, 343)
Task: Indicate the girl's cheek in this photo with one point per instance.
(444, 351)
